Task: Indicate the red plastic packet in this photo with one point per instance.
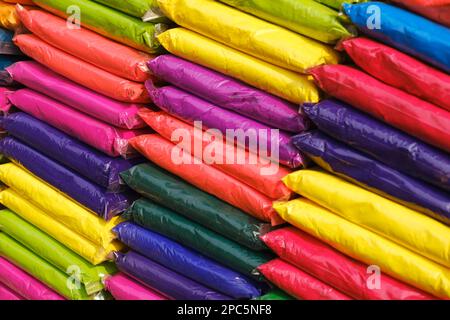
(400, 70)
(266, 181)
(82, 72)
(440, 14)
(340, 271)
(298, 283)
(389, 104)
(207, 178)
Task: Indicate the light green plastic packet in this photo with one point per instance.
(337, 4)
(306, 17)
(147, 10)
(54, 252)
(12, 251)
(108, 22)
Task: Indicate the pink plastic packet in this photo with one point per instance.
(24, 285)
(39, 78)
(8, 294)
(104, 137)
(124, 288)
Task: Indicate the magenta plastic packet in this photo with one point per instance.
(39, 78)
(273, 144)
(100, 135)
(229, 93)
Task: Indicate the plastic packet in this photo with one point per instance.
(123, 287)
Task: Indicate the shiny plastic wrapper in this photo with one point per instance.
(191, 109)
(123, 287)
(23, 284)
(171, 284)
(400, 70)
(70, 152)
(298, 283)
(275, 294)
(249, 34)
(87, 45)
(132, 31)
(337, 4)
(76, 242)
(404, 30)
(9, 19)
(367, 246)
(100, 135)
(306, 17)
(162, 152)
(165, 189)
(40, 269)
(389, 104)
(86, 193)
(6, 42)
(185, 261)
(373, 137)
(6, 294)
(261, 174)
(54, 252)
(329, 265)
(338, 158)
(283, 83)
(57, 205)
(228, 93)
(439, 12)
(5, 62)
(136, 8)
(41, 79)
(81, 72)
(421, 234)
(191, 234)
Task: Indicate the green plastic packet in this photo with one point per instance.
(176, 227)
(147, 10)
(14, 252)
(275, 294)
(306, 17)
(337, 4)
(170, 191)
(108, 22)
(55, 253)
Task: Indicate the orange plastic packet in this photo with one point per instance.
(81, 72)
(251, 169)
(207, 178)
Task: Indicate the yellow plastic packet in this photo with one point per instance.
(214, 55)
(58, 206)
(28, 211)
(366, 246)
(391, 220)
(249, 34)
(9, 19)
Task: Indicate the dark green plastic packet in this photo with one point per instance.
(307, 17)
(176, 227)
(108, 22)
(275, 294)
(54, 252)
(164, 188)
(14, 252)
(337, 4)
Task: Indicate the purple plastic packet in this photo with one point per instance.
(387, 144)
(256, 136)
(39, 78)
(187, 261)
(88, 194)
(70, 152)
(338, 158)
(229, 93)
(163, 280)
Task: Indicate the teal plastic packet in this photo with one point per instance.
(147, 10)
(55, 253)
(170, 191)
(108, 22)
(307, 17)
(17, 254)
(337, 4)
(190, 234)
